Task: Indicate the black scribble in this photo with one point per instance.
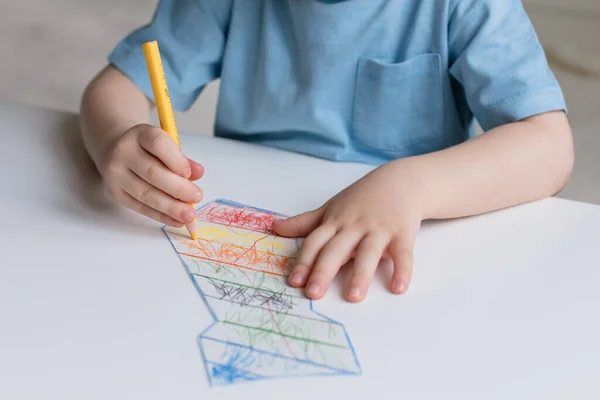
(248, 296)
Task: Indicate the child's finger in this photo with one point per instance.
(300, 225)
(157, 175)
(308, 254)
(197, 170)
(128, 201)
(402, 256)
(330, 260)
(299, 275)
(158, 143)
(157, 199)
(367, 259)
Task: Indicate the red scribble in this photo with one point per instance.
(238, 217)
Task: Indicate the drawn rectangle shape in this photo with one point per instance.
(262, 328)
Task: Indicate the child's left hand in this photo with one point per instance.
(376, 217)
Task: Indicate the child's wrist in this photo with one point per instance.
(420, 184)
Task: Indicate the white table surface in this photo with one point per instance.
(95, 304)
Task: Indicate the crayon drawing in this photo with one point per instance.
(262, 328)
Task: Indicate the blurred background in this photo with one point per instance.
(52, 48)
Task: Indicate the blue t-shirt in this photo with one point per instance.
(350, 80)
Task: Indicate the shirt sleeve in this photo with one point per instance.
(191, 36)
(498, 61)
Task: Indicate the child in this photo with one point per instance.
(395, 83)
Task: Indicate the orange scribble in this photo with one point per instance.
(243, 257)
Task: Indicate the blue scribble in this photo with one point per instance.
(236, 362)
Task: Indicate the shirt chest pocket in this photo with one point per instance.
(396, 105)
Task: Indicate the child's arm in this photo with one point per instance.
(509, 165)
(382, 213)
(142, 167)
(111, 105)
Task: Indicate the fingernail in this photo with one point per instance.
(399, 286)
(187, 173)
(296, 278)
(198, 196)
(313, 289)
(354, 293)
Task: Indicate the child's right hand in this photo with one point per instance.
(146, 172)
